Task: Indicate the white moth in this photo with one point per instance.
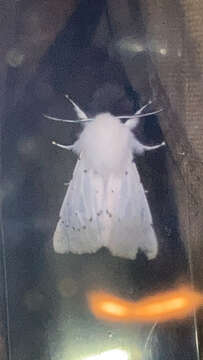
(105, 204)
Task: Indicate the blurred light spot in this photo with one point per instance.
(109, 307)
(67, 287)
(162, 307)
(33, 300)
(115, 354)
(163, 51)
(179, 53)
(131, 45)
(159, 47)
(15, 57)
(6, 189)
(27, 146)
(170, 305)
(113, 308)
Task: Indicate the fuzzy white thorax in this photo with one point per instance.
(106, 144)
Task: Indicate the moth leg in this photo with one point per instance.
(67, 147)
(140, 148)
(80, 113)
(153, 147)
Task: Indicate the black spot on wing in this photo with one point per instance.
(108, 213)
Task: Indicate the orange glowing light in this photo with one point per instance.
(113, 308)
(164, 306)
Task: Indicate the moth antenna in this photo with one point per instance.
(81, 114)
(138, 112)
(65, 120)
(143, 107)
(133, 120)
(136, 115)
(66, 183)
(67, 147)
(149, 114)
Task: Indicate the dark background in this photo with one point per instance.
(47, 314)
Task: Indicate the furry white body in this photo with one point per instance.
(105, 204)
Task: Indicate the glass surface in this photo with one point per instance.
(48, 313)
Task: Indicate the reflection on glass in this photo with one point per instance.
(165, 306)
(93, 306)
(116, 354)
